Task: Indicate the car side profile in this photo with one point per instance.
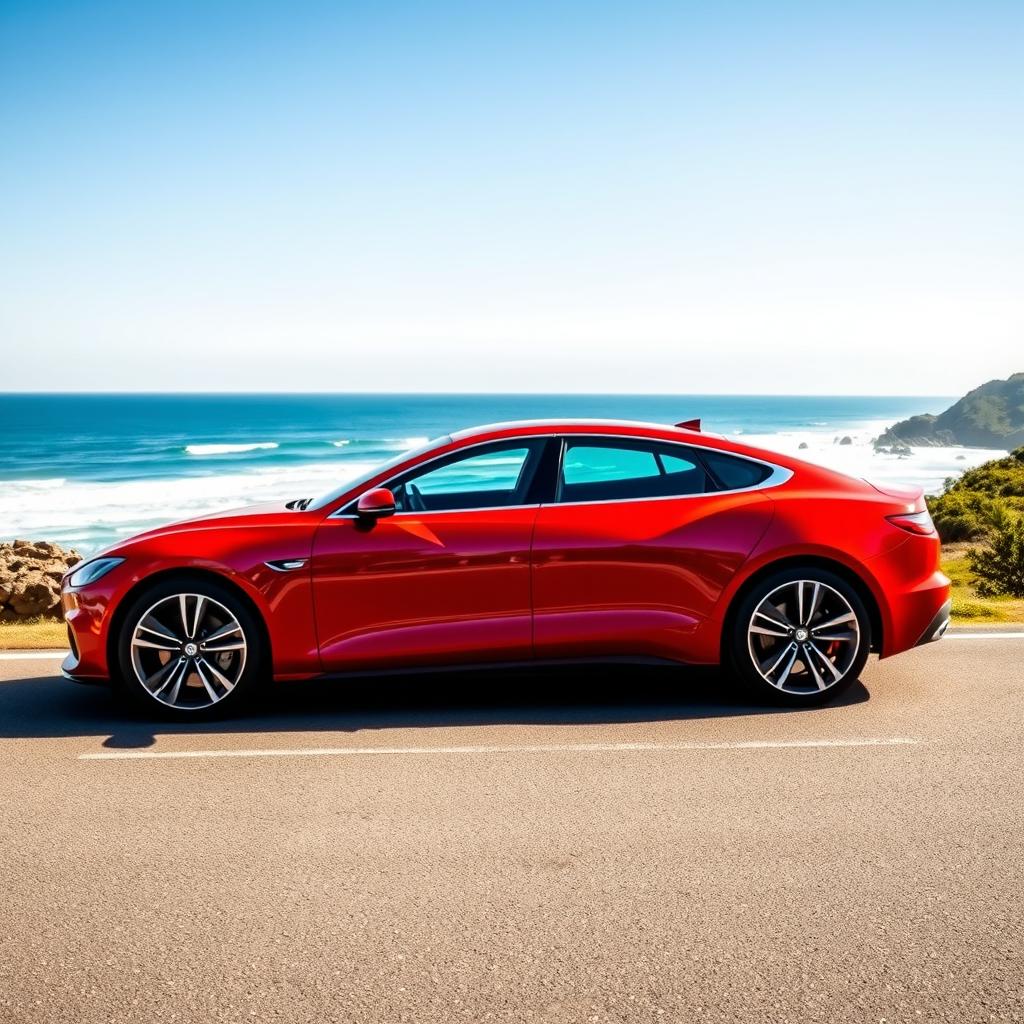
(522, 542)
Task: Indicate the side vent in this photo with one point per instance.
(286, 564)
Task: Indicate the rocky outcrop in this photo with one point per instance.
(30, 575)
(920, 432)
(991, 416)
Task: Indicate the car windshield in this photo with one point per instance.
(383, 467)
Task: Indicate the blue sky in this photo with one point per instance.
(725, 197)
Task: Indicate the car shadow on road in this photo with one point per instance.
(51, 707)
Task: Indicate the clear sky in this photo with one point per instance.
(717, 197)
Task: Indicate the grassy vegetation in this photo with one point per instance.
(33, 634)
(968, 606)
(985, 505)
(963, 511)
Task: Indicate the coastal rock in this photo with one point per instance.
(33, 595)
(847, 440)
(990, 416)
(30, 575)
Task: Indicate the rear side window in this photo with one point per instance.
(601, 470)
(732, 474)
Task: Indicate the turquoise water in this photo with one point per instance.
(89, 469)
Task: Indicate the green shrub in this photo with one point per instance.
(999, 566)
(965, 508)
(960, 515)
(1004, 477)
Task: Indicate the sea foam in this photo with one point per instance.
(91, 514)
(228, 449)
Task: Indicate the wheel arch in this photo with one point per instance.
(183, 573)
(837, 568)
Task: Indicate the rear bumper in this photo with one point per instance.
(938, 626)
(917, 612)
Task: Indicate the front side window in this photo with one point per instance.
(493, 477)
(374, 471)
(601, 470)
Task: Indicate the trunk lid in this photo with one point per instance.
(908, 493)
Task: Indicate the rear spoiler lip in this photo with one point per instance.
(693, 425)
(912, 494)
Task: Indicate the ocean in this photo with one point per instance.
(88, 469)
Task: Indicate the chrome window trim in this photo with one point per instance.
(439, 511)
(778, 475)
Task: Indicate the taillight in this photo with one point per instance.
(914, 522)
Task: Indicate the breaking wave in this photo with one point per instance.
(228, 449)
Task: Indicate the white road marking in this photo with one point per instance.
(539, 748)
(994, 635)
(31, 655)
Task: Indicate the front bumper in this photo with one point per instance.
(83, 680)
(87, 613)
(72, 668)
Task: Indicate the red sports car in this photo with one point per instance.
(523, 542)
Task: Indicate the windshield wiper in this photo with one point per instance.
(298, 503)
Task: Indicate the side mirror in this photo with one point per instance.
(376, 503)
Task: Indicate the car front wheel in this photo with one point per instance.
(189, 649)
(800, 637)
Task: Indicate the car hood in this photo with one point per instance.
(266, 512)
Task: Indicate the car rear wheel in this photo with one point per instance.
(189, 649)
(800, 637)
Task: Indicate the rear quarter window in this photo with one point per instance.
(733, 474)
(627, 469)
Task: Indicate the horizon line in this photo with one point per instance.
(468, 393)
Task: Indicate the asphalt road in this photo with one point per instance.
(624, 846)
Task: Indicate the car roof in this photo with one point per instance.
(559, 426)
(447, 444)
(626, 428)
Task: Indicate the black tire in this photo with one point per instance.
(204, 672)
(775, 661)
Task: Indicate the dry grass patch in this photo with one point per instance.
(968, 607)
(33, 635)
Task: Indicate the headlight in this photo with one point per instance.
(92, 571)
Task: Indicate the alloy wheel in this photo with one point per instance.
(803, 637)
(188, 651)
